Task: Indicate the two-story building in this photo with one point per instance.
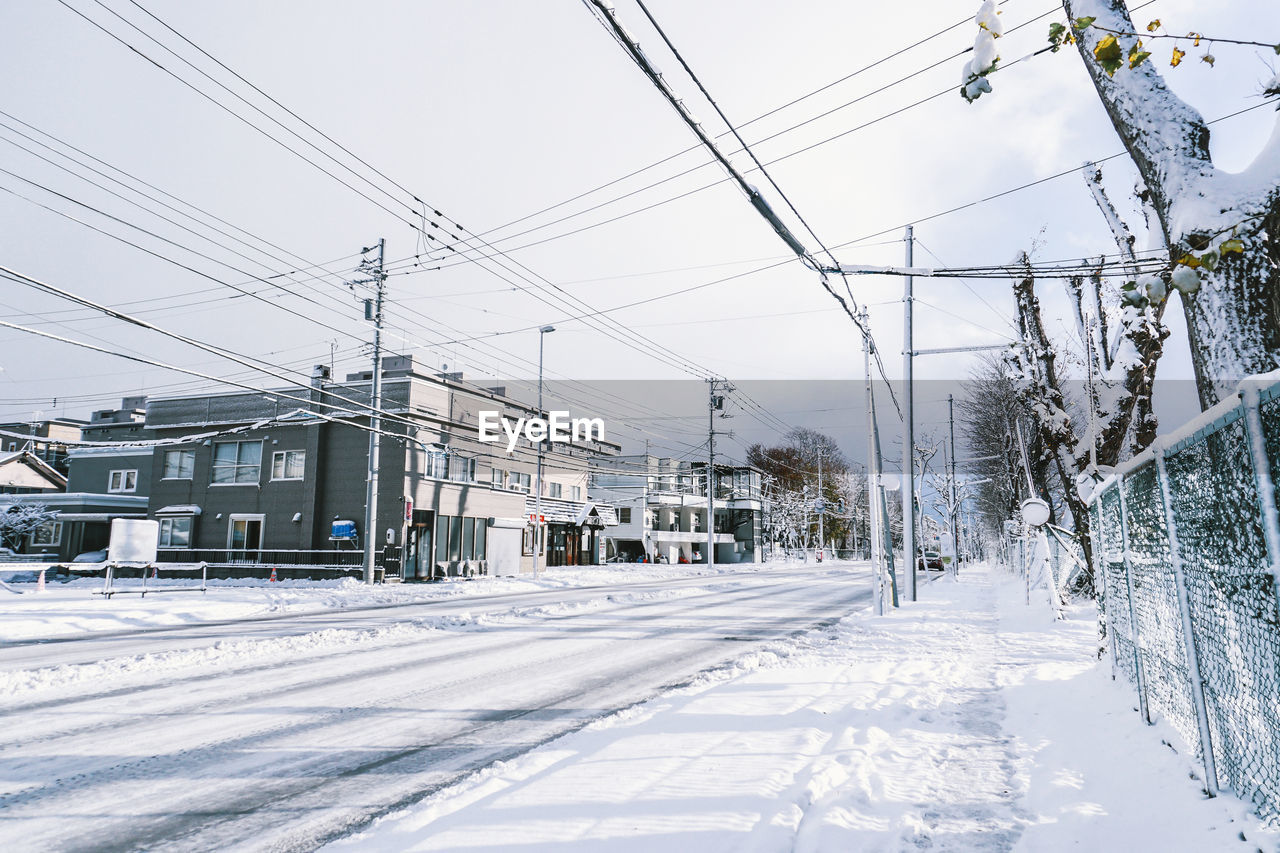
(105, 478)
(270, 479)
(662, 510)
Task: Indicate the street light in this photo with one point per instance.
(539, 532)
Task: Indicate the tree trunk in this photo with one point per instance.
(1233, 322)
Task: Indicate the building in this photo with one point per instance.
(251, 478)
(661, 504)
(46, 439)
(22, 472)
(103, 483)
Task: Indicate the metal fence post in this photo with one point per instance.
(1100, 577)
(1138, 670)
(1188, 634)
(1262, 479)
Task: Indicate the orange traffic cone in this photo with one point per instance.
(273, 574)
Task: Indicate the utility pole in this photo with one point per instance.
(713, 404)
(955, 507)
(908, 432)
(822, 509)
(373, 311)
(872, 484)
(887, 550)
(539, 529)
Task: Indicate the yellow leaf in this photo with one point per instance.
(1153, 26)
(1196, 37)
(1177, 56)
(1229, 246)
(1209, 58)
(1189, 261)
(1109, 55)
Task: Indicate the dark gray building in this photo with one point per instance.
(263, 479)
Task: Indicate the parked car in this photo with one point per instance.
(930, 560)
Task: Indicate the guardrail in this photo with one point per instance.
(152, 572)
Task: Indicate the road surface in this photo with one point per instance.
(283, 733)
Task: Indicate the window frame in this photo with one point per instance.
(237, 466)
(54, 527)
(189, 455)
(283, 457)
(246, 517)
(441, 545)
(168, 523)
(575, 493)
(123, 488)
(468, 537)
(624, 515)
(555, 490)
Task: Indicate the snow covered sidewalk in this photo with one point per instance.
(967, 721)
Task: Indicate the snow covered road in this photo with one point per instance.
(284, 733)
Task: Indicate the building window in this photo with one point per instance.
(468, 538)
(526, 541)
(575, 493)
(437, 465)
(47, 534)
(482, 530)
(554, 490)
(520, 482)
(245, 532)
(455, 537)
(175, 532)
(179, 464)
(624, 515)
(499, 478)
(123, 481)
(462, 469)
(237, 462)
(442, 538)
(288, 464)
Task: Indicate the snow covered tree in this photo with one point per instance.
(793, 467)
(1219, 227)
(21, 520)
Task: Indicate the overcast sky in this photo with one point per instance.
(494, 111)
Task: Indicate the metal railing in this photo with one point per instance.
(332, 558)
(1187, 554)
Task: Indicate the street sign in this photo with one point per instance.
(820, 505)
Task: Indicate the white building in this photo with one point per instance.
(661, 506)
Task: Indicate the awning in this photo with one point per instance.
(508, 523)
(179, 509)
(97, 516)
(576, 513)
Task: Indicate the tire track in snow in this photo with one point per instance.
(642, 667)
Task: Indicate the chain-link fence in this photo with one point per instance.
(1187, 546)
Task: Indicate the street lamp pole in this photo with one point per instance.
(539, 530)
